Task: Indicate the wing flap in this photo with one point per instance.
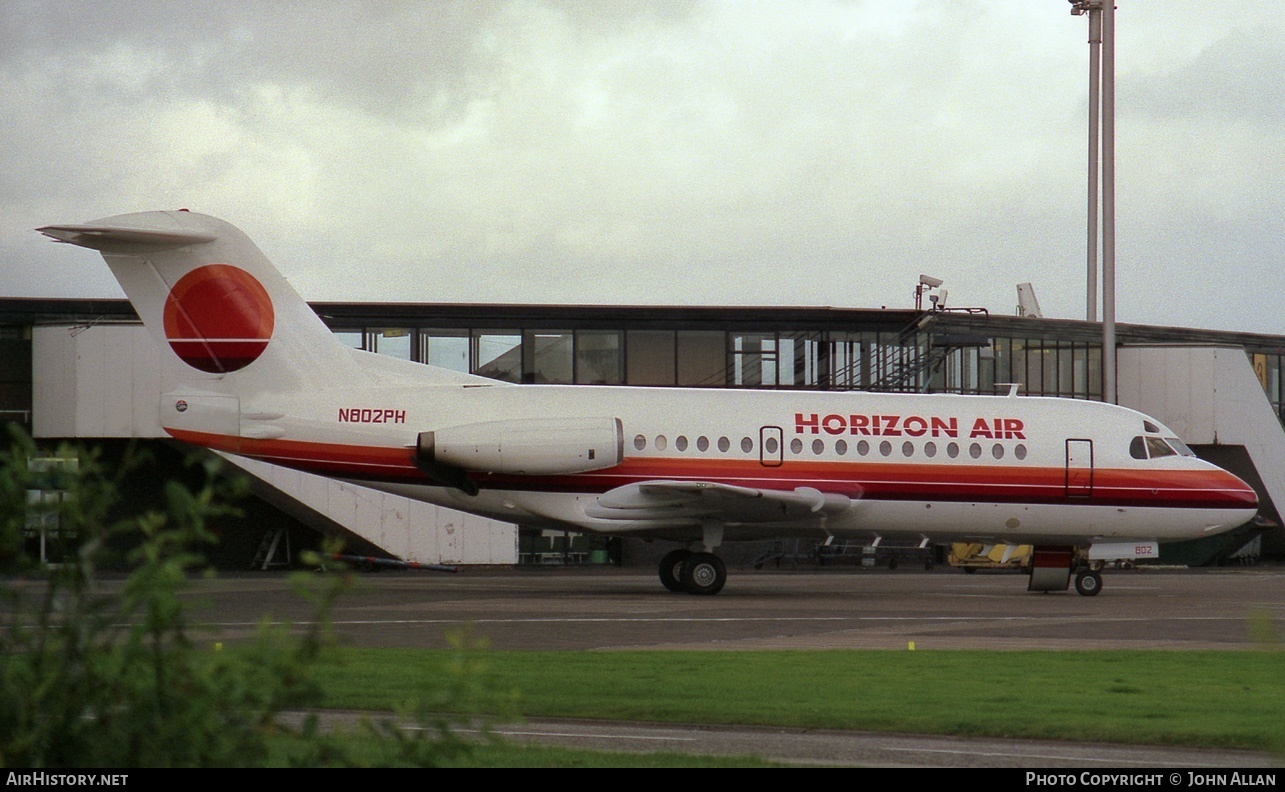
(728, 503)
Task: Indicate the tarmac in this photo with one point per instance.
(604, 608)
(610, 609)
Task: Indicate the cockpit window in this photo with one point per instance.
(1159, 448)
(1148, 426)
(1180, 446)
(1138, 448)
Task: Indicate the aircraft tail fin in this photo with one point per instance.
(207, 293)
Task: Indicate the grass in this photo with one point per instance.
(1212, 699)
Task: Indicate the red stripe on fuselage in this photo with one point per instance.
(1210, 488)
(1155, 487)
(379, 463)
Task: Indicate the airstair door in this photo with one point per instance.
(1079, 468)
(771, 446)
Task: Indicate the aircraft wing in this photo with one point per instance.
(672, 502)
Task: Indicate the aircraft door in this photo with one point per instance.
(1079, 468)
(771, 446)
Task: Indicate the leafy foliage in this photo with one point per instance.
(106, 673)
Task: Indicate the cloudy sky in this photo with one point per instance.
(667, 152)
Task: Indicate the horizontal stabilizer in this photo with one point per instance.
(107, 237)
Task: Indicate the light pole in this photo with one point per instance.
(1094, 9)
(1102, 95)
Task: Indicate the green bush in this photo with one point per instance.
(105, 673)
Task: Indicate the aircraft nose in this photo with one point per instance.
(1246, 501)
(1226, 489)
(1245, 495)
(1235, 503)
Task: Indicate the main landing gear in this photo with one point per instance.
(696, 572)
(693, 572)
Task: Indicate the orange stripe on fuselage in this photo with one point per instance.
(334, 458)
(1211, 488)
(920, 482)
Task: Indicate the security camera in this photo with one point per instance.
(929, 281)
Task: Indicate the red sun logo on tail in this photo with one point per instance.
(218, 318)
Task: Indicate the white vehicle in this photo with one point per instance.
(264, 378)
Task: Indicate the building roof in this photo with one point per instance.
(28, 311)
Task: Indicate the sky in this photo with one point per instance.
(674, 152)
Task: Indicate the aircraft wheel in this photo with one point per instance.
(1088, 583)
(704, 573)
(671, 569)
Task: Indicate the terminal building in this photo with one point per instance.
(69, 370)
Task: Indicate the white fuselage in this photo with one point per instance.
(1030, 470)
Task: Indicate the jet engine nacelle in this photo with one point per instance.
(528, 446)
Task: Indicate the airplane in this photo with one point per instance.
(263, 377)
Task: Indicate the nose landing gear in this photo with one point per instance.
(1088, 582)
(1052, 567)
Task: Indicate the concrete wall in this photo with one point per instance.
(1209, 396)
(96, 381)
